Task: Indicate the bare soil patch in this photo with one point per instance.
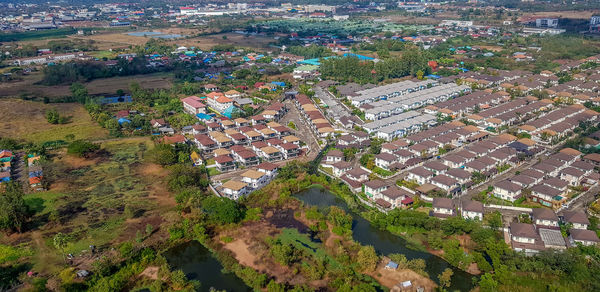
(389, 278)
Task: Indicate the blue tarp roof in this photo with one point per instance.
(229, 111)
(392, 265)
(116, 99)
(203, 116)
(123, 121)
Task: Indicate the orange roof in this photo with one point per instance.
(35, 180)
(223, 99)
(214, 95)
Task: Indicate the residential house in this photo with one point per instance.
(419, 175)
(340, 167)
(462, 176)
(583, 237)
(572, 175)
(392, 197)
(445, 183)
(373, 188)
(545, 194)
(543, 217)
(289, 150)
(577, 219)
(358, 174)
(443, 207)
(507, 190)
(193, 105)
(270, 153)
(196, 158)
(224, 163)
(235, 189)
(525, 238)
(472, 210)
(385, 160)
(269, 168)
(333, 156)
(255, 179)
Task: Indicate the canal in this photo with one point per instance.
(385, 242)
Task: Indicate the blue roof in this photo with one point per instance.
(433, 76)
(123, 121)
(229, 111)
(203, 116)
(392, 265)
(116, 99)
(278, 83)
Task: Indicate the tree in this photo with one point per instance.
(222, 210)
(445, 277)
(163, 154)
(367, 259)
(13, 210)
(81, 148)
(495, 220)
(487, 283)
(79, 91)
(52, 116)
(60, 242)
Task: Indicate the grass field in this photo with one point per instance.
(208, 41)
(26, 120)
(98, 86)
(102, 200)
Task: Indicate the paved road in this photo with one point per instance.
(335, 110)
(303, 130)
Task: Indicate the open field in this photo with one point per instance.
(389, 278)
(26, 120)
(99, 86)
(208, 41)
(111, 197)
(564, 14)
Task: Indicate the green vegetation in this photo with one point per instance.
(30, 35)
(14, 213)
(82, 148)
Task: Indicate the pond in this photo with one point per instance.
(384, 241)
(198, 263)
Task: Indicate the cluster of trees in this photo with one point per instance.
(412, 63)
(82, 148)
(70, 72)
(53, 117)
(14, 213)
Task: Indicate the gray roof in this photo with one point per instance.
(523, 230)
(507, 185)
(458, 173)
(443, 203)
(546, 190)
(552, 237)
(375, 184)
(544, 214)
(575, 217)
(444, 180)
(584, 235)
(473, 206)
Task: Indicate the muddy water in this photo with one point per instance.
(199, 264)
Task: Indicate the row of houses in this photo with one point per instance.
(313, 116)
(6, 161)
(249, 181)
(35, 172)
(548, 182)
(544, 231)
(400, 125)
(388, 91)
(558, 124)
(469, 103)
(396, 105)
(247, 145)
